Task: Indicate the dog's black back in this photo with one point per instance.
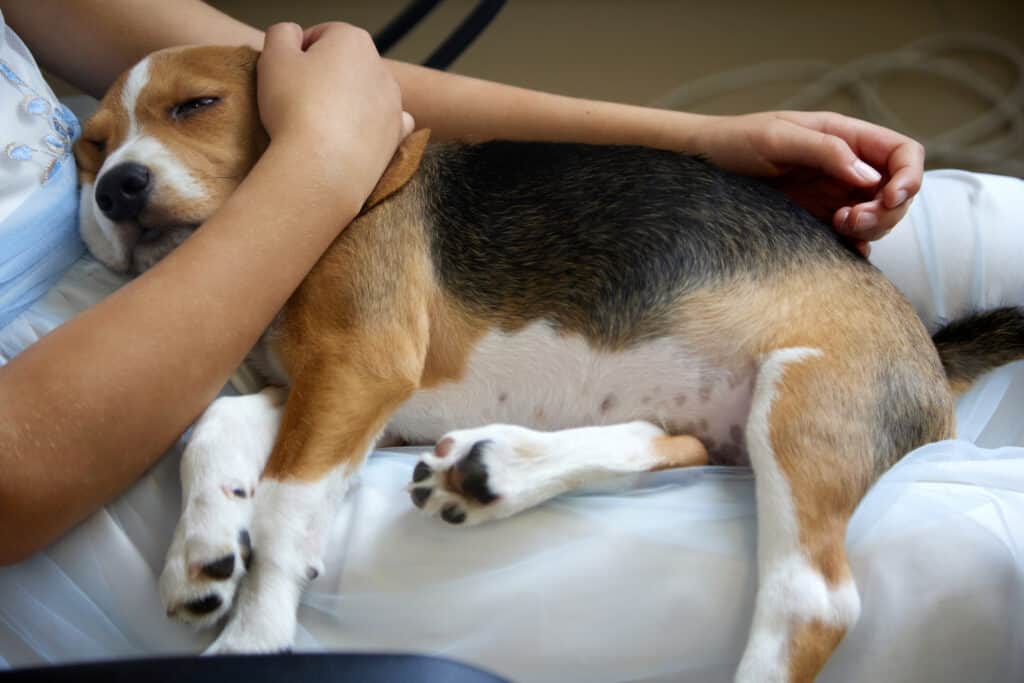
(602, 239)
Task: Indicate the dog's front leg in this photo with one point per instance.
(220, 468)
(338, 404)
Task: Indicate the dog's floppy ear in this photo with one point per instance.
(401, 168)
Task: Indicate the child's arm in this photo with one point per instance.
(88, 408)
(101, 38)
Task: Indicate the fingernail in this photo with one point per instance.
(866, 172)
(843, 215)
(898, 198)
(865, 221)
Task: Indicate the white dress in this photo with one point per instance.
(650, 581)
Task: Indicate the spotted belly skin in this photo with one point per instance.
(541, 379)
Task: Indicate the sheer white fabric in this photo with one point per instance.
(652, 580)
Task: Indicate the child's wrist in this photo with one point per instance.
(325, 178)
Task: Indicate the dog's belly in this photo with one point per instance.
(541, 379)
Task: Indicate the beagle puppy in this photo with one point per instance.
(572, 312)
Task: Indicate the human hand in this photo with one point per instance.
(327, 92)
(855, 175)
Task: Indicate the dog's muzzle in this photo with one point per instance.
(122, 192)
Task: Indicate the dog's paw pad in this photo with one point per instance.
(470, 475)
(455, 481)
(204, 605)
(420, 472)
(200, 578)
(219, 570)
(452, 513)
(420, 494)
(245, 548)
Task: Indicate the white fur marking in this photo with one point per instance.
(542, 379)
(289, 533)
(137, 79)
(109, 242)
(227, 451)
(168, 172)
(526, 467)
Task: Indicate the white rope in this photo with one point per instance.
(992, 141)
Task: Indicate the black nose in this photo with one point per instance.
(122, 191)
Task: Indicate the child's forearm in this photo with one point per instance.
(454, 106)
(102, 38)
(89, 407)
(98, 39)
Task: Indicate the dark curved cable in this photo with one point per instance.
(403, 23)
(461, 38)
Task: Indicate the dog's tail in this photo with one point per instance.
(978, 343)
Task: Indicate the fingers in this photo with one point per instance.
(790, 142)
(286, 36)
(281, 44)
(906, 165)
(335, 30)
(408, 124)
(798, 144)
(900, 157)
(868, 221)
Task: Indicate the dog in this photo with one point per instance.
(549, 315)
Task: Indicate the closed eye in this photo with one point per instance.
(183, 110)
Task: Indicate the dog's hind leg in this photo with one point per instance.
(811, 444)
(476, 475)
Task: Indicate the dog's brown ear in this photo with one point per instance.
(401, 168)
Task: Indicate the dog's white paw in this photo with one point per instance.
(220, 467)
(208, 557)
(477, 475)
(257, 634)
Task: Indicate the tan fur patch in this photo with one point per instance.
(680, 451)
(102, 133)
(218, 145)
(811, 645)
(453, 335)
(353, 342)
(368, 326)
(832, 426)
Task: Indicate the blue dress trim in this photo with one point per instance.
(38, 242)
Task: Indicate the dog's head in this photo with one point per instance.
(171, 139)
(169, 142)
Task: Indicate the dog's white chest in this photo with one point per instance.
(544, 380)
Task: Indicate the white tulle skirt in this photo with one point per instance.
(651, 580)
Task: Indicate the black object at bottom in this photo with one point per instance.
(308, 668)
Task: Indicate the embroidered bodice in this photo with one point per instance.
(38, 197)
